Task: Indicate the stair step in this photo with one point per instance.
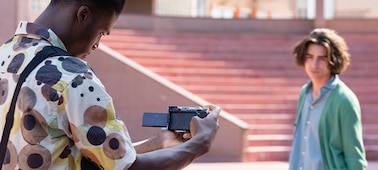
(240, 91)
(270, 140)
(259, 108)
(371, 139)
(240, 81)
(370, 127)
(266, 120)
(277, 128)
(229, 72)
(268, 153)
(258, 63)
(248, 99)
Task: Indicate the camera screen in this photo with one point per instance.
(180, 121)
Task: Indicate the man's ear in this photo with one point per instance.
(83, 14)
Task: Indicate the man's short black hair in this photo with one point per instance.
(99, 6)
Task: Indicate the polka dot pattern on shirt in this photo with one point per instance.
(64, 118)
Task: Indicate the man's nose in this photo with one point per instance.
(315, 62)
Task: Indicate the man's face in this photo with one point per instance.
(316, 63)
(88, 35)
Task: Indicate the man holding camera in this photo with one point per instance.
(64, 118)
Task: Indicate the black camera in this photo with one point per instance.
(177, 118)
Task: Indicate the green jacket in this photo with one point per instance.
(340, 130)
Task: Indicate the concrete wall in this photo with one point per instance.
(212, 25)
(8, 20)
(11, 12)
(365, 26)
(356, 9)
(144, 7)
(136, 90)
(284, 26)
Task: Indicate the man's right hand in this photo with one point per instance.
(207, 127)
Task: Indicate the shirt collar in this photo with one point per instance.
(37, 31)
(331, 83)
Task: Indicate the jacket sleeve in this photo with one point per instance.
(351, 133)
(340, 131)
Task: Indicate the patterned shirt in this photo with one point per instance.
(306, 154)
(64, 117)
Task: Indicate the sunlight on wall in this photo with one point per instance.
(36, 7)
(229, 9)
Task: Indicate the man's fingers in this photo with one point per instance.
(186, 136)
(214, 110)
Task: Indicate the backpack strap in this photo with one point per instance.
(47, 51)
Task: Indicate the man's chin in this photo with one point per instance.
(83, 56)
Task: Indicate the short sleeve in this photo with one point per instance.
(96, 131)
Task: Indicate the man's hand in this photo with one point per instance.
(171, 139)
(206, 128)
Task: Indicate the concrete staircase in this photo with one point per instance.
(252, 76)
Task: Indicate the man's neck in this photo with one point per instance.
(317, 84)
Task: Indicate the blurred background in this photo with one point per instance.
(232, 53)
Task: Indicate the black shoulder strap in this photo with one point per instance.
(47, 51)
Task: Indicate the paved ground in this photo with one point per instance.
(252, 166)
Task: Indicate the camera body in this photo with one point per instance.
(180, 116)
(177, 119)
